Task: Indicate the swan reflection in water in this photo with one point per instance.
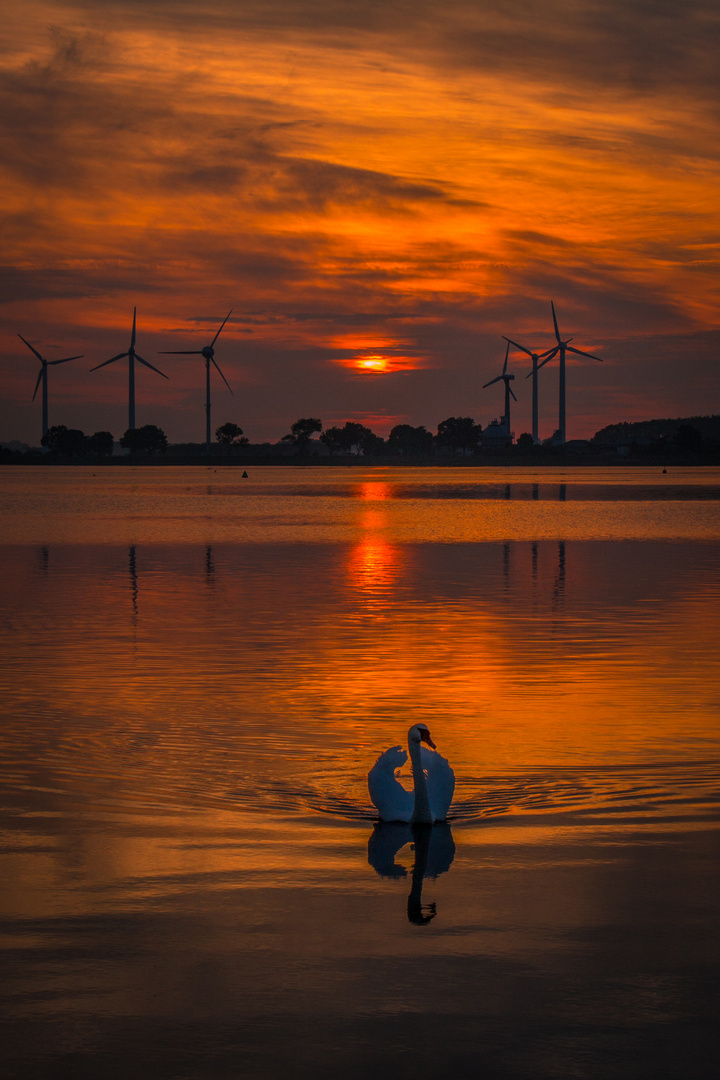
(434, 850)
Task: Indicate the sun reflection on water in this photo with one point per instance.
(374, 566)
(374, 491)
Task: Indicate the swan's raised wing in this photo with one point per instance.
(393, 802)
(440, 782)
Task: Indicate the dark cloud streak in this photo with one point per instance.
(634, 46)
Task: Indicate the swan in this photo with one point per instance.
(433, 778)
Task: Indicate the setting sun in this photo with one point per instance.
(376, 364)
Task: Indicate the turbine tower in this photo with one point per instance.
(132, 357)
(42, 378)
(508, 389)
(534, 357)
(209, 353)
(562, 347)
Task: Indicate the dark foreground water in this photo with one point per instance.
(197, 672)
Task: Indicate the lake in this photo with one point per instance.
(197, 672)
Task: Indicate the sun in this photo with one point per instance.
(376, 364)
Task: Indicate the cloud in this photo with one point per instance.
(624, 46)
(424, 174)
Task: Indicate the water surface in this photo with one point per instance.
(197, 672)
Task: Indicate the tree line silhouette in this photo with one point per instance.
(71, 442)
(456, 434)
(456, 438)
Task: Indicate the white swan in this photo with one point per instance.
(433, 778)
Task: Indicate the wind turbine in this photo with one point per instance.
(42, 378)
(534, 357)
(209, 353)
(562, 347)
(508, 389)
(132, 357)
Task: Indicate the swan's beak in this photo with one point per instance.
(425, 736)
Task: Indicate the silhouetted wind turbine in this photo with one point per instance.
(534, 357)
(508, 390)
(562, 347)
(42, 378)
(132, 357)
(209, 353)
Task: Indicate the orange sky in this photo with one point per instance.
(379, 193)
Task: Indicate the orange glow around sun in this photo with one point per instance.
(379, 354)
(380, 363)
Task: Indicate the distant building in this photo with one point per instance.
(497, 435)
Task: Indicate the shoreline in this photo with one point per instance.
(545, 459)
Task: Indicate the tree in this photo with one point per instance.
(459, 433)
(144, 440)
(231, 435)
(525, 441)
(70, 442)
(101, 444)
(352, 438)
(405, 439)
(302, 432)
(372, 444)
(687, 438)
(332, 437)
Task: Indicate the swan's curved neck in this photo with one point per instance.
(421, 810)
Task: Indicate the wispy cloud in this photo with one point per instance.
(424, 174)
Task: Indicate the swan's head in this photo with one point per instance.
(420, 733)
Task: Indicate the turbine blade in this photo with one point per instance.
(218, 333)
(132, 339)
(557, 331)
(31, 348)
(546, 361)
(507, 353)
(520, 347)
(65, 359)
(581, 353)
(549, 353)
(110, 361)
(512, 395)
(37, 384)
(147, 364)
(222, 376)
(180, 352)
(492, 381)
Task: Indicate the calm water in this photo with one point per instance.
(197, 671)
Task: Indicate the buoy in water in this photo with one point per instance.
(244, 475)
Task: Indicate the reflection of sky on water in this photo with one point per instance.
(175, 505)
(527, 656)
(186, 733)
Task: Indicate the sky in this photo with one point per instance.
(379, 191)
